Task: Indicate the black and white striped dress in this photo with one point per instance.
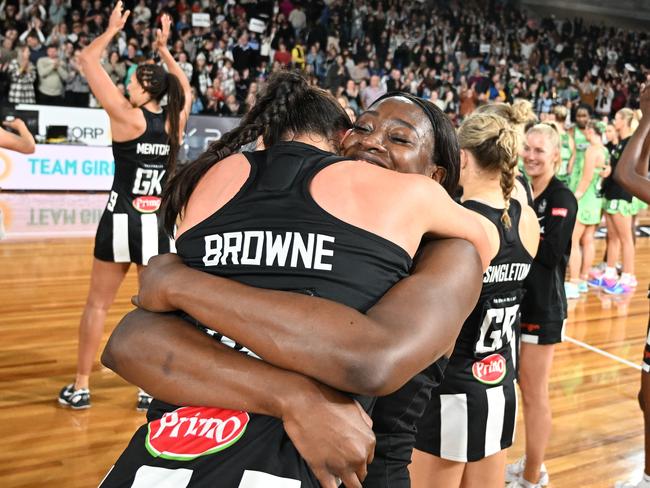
(130, 230)
(472, 413)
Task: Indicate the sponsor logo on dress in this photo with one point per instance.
(148, 204)
(190, 432)
(490, 370)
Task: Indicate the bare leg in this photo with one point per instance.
(429, 471)
(624, 232)
(575, 259)
(489, 472)
(613, 242)
(105, 280)
(588, 251)
(535, 370)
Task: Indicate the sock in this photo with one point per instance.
(646, 478)
(610, 272)
(627, 276)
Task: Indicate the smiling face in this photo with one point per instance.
(394, 134)
(539, 154)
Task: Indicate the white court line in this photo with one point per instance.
(601, 352)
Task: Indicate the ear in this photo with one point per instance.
(464, 159)
(439, 174)
(345, 136)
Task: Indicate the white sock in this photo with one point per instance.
(627, 276)
(646, 478)
(610, 272)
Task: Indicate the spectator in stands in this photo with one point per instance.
(22, 75)
(372, 92)
(52, 75)
(77, 91)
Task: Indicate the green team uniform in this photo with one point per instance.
(638, 205)
(581, 146)
(591, 204)
(565, 154)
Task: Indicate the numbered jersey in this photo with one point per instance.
(492, 325)
(129, 230)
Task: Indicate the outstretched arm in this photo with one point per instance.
(160, 44)
(632, 169)
(116, 105)
(413, 324)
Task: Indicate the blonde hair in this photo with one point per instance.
(519, 113)
(550, 132)
(628, 115)
(560, 112)
(494, 143)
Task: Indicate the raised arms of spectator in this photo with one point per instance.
(116, 105)
(160, 44)
(632, 169)
(22, 142)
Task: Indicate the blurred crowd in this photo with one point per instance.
(457, 54)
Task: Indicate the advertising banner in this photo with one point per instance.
(85, 125)
(51, 215)
(57, 167)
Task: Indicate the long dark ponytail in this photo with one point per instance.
(287, 107)
(158, 83)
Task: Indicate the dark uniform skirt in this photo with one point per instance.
(472, 413)
(130, 238)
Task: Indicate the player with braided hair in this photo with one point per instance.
(292, 217)
(470, 421)
(146, 139)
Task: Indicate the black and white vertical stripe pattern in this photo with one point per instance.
(149, 238)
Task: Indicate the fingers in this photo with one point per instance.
(326, 479)
(350, 480)
(366, 418)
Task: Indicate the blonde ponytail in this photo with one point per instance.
(494, 143)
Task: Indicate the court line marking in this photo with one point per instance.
(602, 353)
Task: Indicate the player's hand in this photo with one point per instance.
(162, 35)
(332, 433)
(15, 124)
(118, 17)
(156, 280)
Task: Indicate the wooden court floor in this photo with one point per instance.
(597, 437)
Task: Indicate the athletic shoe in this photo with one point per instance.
(619, 288)
(571, 290)
(144, 400)
(76, 399)
(629, 484)
(598, 270)
(583, 287)
(515, 472)
(602, 282)
(522, 483)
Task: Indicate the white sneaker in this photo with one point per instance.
(515, 472)
(630, 484)
(522, 483)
